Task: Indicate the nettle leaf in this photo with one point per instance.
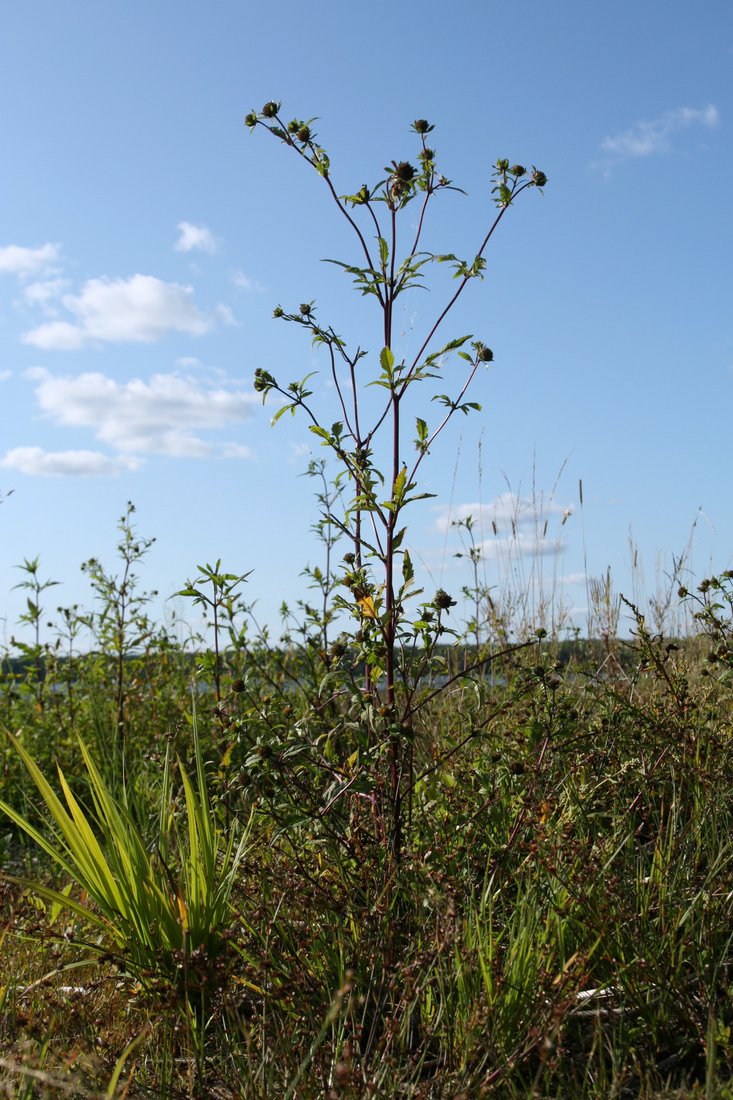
(320, 432)
(281, 412)
(410, 267)
(190, 591)
(400, 485)
(321, 161)
(452, 345)
(383, 251)
(386, 361)
(366, 278)
(408, 571)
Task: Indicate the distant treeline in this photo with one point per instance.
(457, 658)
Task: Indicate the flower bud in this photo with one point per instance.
(263, 380)
(404, 172)
(304, 308)
(251, 119)
(485, 355)
(443, 601)
(277, 311)
(270, 109)
(304, 134)
(421, 126)
(539, 179)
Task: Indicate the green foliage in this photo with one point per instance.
(157, 920)
(119, 624)
(373, 522)
(223, 605)
(397, 860)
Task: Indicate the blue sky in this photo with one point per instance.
(146, 235)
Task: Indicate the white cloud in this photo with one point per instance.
(158, 416)
(24, 262)
(36, 462)
(195, 238)
(573, 578)
(236, 450)
(225, 314)
(45, 293)
(5, 374)
(525, 544)
(140, 309)
(648, 137)
(511, 526)
(243, 282)
(506, 512)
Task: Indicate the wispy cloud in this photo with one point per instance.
(511, 526)
(505, 513)
(162, 415)
(236, 450)
(45, 293)
(36, 462)
(243, 282)
(140, 309)
(647, 137)
(573, 578)
(525, 544)
(195, 238)
(26, 262)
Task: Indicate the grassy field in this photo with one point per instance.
(417, 858)
(209, 899)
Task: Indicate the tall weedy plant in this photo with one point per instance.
(120, 625)
(395, 636)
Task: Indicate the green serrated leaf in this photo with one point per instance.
(281, 412)
(386, 361)
(398, 489)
